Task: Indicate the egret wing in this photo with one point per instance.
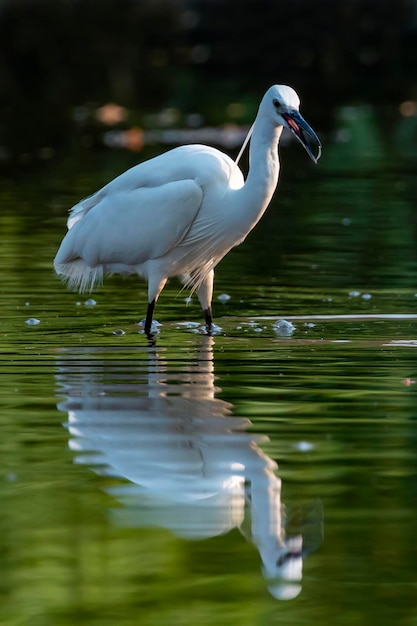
(184, 163)
(129, 227)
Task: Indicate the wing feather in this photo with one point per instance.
(146, 212)
(130, 227)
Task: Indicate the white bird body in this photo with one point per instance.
(177, 214)
(191, 467)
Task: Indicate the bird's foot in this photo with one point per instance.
(149, 331)
(208, 318)
(150, 326)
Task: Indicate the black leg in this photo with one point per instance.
(148, 321)
(208, 318)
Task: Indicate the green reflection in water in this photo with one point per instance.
(337, 401)
(63, 560)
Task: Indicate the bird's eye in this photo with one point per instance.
(276, 103)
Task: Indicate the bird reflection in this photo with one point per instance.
(191, 466)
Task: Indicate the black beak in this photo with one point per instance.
(297, 124)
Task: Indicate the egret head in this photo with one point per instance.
(284, 103)
(283, 568)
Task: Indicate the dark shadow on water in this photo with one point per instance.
(190, 465)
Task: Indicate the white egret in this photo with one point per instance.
(179, 213)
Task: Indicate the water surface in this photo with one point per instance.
(206, 479)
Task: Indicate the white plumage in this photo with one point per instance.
(178, 214)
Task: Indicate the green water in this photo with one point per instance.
(137, 482)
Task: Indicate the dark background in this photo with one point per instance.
(61, 56)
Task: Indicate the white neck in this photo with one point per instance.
(253, 198)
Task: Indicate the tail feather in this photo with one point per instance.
(193, 280)
(80, 277)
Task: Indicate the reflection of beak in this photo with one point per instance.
(297, 124)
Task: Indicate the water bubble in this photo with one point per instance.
(188, 300)
(90, 302)
(119, 332)
(366, 296)
(304, 446)
(354, 293)
(309, 324)
(154, 326)
(224, 297)
(215, 330)
(284, 328)
(346, 221)
(189, 324)
(32, 321)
